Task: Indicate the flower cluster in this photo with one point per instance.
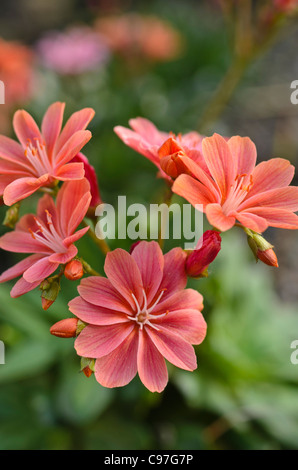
(142, 313)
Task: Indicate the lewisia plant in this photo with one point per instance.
(142, 313)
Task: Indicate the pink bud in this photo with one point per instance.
(90, 175)
(74, 270)
(199, 259)
(65, 328)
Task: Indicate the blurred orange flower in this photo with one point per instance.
(16, 62)
(141, 36)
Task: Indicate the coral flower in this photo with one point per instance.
(237, 190)
(49, 236)
(156, 145)
(138, 316)
(42, 157)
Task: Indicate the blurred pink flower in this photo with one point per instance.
(156, 145)
(257, 196)
(49, 236)
(90, 175)
(42, 157)
(144, 37)
(139, 315)
(73, 52)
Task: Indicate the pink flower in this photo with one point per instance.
(90, 175)
(237, 190)
(139, 315)
(49, 236)
(207, 250)
(42, 157)
(147, 140)
(286, 5)
(73, 52)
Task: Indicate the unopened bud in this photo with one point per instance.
(12, 216)
(66, 328)
(87, 366)
(49, 291)
(199, 259)
(171, 158)
(261, 248)
(74, 270)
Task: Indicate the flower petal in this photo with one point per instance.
(277, 217)
(40, 270)
(218, 219)
(173, 347)
(72, 204)
(101, 292)
(22, 287)
(95, 315)
(70, 171)
(183, 299)
(244, 154)
(152, 368)
(98, 341)
(19, 268)
(271, 174)
(148, 130)
(188, 323)
(22, 188)
(12, 151)
(120, 366)
(282, 198)
(174, 276)
(25, 127)
(219, 161)
(63, 258)
(22, 242)
(78, 121)
(124, 274)
(250, 220)
(51, 125)
(150, 261)
(193, 191)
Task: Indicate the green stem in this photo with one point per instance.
(102, 244)
(88, 269)
(222, 94)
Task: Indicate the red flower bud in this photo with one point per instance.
(74, 270)
(65, 328)
(198, 261)
(268, 257)
(90, 175)
(87, 371)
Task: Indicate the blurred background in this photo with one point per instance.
(210, 66)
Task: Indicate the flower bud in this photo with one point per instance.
(261, 248)
(199, 259)
(171, 158)
(74, 270)
(65, 328)
(87, 366)
(90, 175)
(50, 289)
(12, 216)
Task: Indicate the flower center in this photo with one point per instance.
(37, 155)
(143, 315)
(48, 236)
(237, 193)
